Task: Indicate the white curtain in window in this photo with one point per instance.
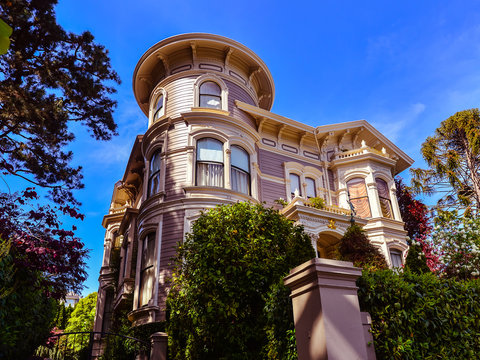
(396, 257)
(147, 275)
(209, 174)
(240, 181)
(210, 95)
(209, 162)
(240, 174)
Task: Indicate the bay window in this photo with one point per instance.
(240, 172)
(359, 197)
(209, 171)
(384, 196)
(147, 275)
(154, 174)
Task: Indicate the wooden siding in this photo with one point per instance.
(179, 96)
(172, 233)
(271, 163)
(271, 191)
(175, 176)
(235, 92)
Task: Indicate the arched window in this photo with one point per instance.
(210, 95)
(158, 108)
(359, 197)
(311, 191)
(147, 275)
(209, 162)
(384, 195)
(154, 174)
(295, 185)
(240, 172)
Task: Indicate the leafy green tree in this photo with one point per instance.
(221, 305)
(355, 247)
(83, 316)
(26, 315)
(50, 78)
(452, 155)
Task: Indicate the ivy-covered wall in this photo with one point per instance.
(421, 316)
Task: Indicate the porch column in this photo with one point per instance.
(158, 346)
(328, 323)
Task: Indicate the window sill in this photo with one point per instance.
(210, 110)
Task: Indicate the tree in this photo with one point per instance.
(355, 247)
(452, 155)
(50, 78)
(83, 316)
(422, 256)
(221, 304)
(458, 240)
(26, 315)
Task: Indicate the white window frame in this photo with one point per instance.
(153, 99)
(210, 77)
(292, 167)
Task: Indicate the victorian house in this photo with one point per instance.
(212, 140)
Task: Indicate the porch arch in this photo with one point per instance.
(327, 242)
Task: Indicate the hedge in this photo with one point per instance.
(420, 316)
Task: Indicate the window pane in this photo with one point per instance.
(382, 188)
(240, 158)
(159, 104)
(211, 101)
(295, 184)
(311, 192)
(210, 88)
(155, 162)
(240, 181)
(396, 257)
(209, 174)
(359, 197)
(210, 150)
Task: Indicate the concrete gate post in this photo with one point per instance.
(158, 343)
(328, 323)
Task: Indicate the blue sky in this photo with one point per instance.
(402, 66)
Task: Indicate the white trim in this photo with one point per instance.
(216, 79)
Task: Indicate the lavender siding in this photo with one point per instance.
(175, 176)
(179, 96)
(271, 191)
(235, 92)
(271, 163)
(172, 233)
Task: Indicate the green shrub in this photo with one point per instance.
(419, 316)
(355, 247)
(227, 300)
(316, 202)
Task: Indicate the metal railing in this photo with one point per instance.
(85, 345)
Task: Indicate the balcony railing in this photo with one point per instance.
(361, 151)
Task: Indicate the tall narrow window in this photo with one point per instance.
(384, 195)
(154, 174)
(158, 108)
(240, 170)
(146, 269)
(311, 191)
(125, 256)
(396, 257)
(209, 162)
(359, 197)
(210, 95)
(295, 185)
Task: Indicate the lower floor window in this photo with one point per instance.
(147, 275)
(396, 256)
(209, 174)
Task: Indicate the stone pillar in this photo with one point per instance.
(328, 324)
(158, 343)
